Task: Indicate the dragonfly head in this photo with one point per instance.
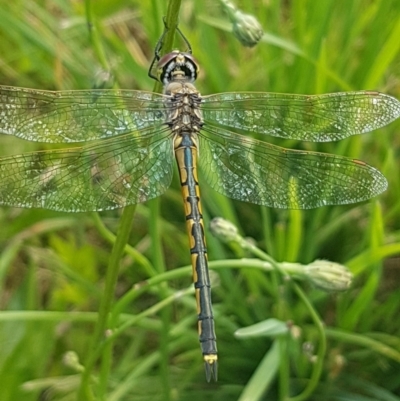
(177, 66)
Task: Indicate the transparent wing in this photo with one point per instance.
(77, 116)
(318, 118)
(257, 172)
(111, 174)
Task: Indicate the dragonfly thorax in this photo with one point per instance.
(184, 107)
(177, 66)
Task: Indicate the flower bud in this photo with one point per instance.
(224, 230)
(328, 276)
(71, 360)
(247, 29)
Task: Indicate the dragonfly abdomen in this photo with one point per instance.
(185, 147)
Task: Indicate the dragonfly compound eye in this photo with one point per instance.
(177, 65)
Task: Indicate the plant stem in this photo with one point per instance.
(106, 303)
(317, 367)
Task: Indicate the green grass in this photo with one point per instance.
(53, 266)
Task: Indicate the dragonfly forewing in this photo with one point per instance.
(316, 118)
(77, 116)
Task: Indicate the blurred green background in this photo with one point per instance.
(52, 265)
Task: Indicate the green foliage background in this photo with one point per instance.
(52, 265)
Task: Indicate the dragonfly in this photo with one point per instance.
(131, 138)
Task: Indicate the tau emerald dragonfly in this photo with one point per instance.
(132, 137)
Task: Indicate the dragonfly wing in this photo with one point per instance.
(317, 118)
(110, 174)
(77, 116)
(257, 172)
